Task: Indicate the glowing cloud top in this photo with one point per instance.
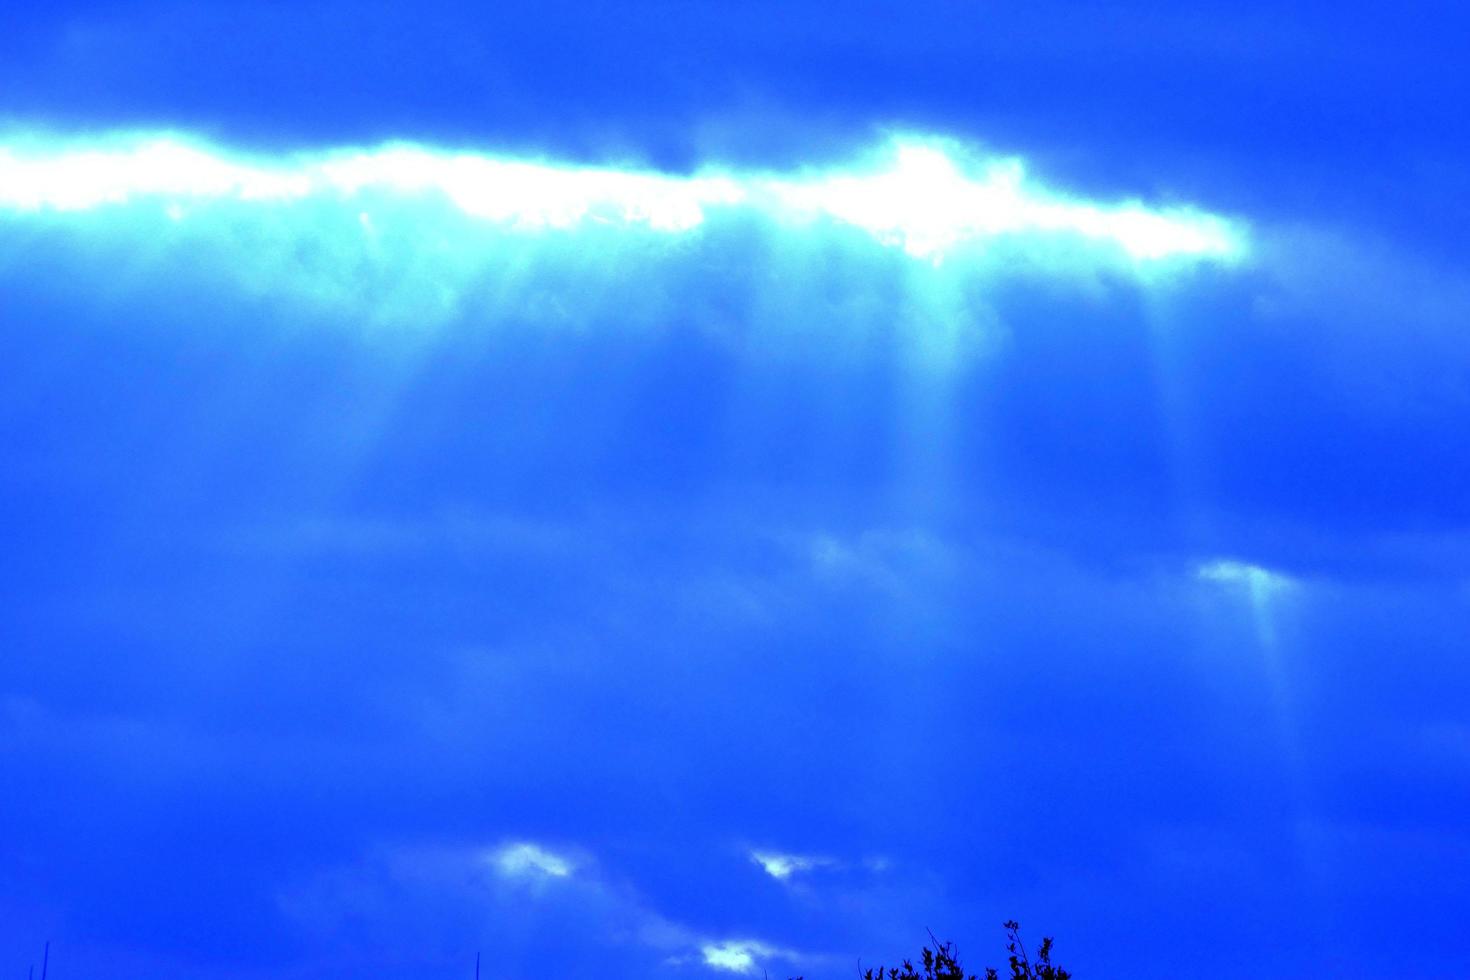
(923, 197)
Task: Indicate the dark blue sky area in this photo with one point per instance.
(383, 585)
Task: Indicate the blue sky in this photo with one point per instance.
(699, 489)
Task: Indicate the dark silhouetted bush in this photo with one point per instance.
(942, 963)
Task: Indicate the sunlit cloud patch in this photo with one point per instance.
(783, 866)
(1232, 572)
(922, 196)
(927, 203)
(405, 232)
(528, 860)
(740, 956)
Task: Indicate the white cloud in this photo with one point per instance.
(783, 866)
(926, 203)
(924, 196)
(527, 860)
(740, 956)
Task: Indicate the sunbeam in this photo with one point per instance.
(677, 490)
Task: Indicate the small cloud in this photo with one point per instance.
(1232, 572)
(783, 866)
(527, 860)
(737, 956)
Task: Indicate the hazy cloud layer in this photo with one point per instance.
(718, 549)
